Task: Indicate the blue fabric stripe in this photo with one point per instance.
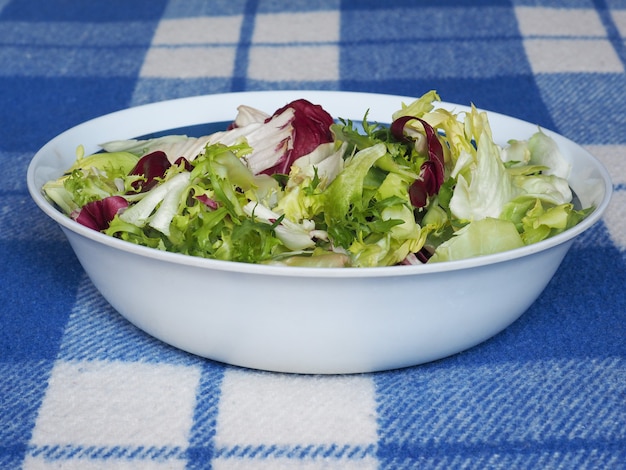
(243, 48)
(73, 62)
(369, 5)
(12, 182)
(59, 453)
(198, 8)
(427, 22)
(42, 107)
(96, 11)
(571, 4)
(581, 108)
(95, 331)
(422, 59)
(297, 6)
(331, 451)
(264, 85)
(62, 34)
(150, 90)
(544, 455)
(202, 436)
(32, 323)
(22, 387)
(12, 455)
(493, 94)
(489, 415)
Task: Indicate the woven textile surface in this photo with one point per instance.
(80, 387)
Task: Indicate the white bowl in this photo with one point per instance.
(309, 320)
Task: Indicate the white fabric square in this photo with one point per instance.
(294, 63)
(189, 62)
(105, 404)
(614, 159)
(572, 56)
(36, 463)
(258, 409)
(202, 30)
(322, 26)
(537, 21)
(295, 464)
(615, 219)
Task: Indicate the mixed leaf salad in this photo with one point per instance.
(299, 188)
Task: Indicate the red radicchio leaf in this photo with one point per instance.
(311, 128)
(397, 128)
(98, 215)
(151, 166)
(418, 194)
(423, 255)
(186, 164)
(207, 201)
(432, 174)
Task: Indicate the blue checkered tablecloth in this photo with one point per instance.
(82, 388)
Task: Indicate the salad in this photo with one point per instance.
(300, 188)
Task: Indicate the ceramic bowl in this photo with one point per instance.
(309, 320)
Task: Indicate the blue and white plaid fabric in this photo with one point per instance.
(82, 388)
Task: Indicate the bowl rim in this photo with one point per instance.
(67, 224)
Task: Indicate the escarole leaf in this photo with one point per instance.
(545, 152)
(347, 188)
(536, 219)
(481, 237)
(483, 185)
(120, 161)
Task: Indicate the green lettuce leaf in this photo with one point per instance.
(481, 237)
(483, 185)
(91, 178)
(346, 190)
